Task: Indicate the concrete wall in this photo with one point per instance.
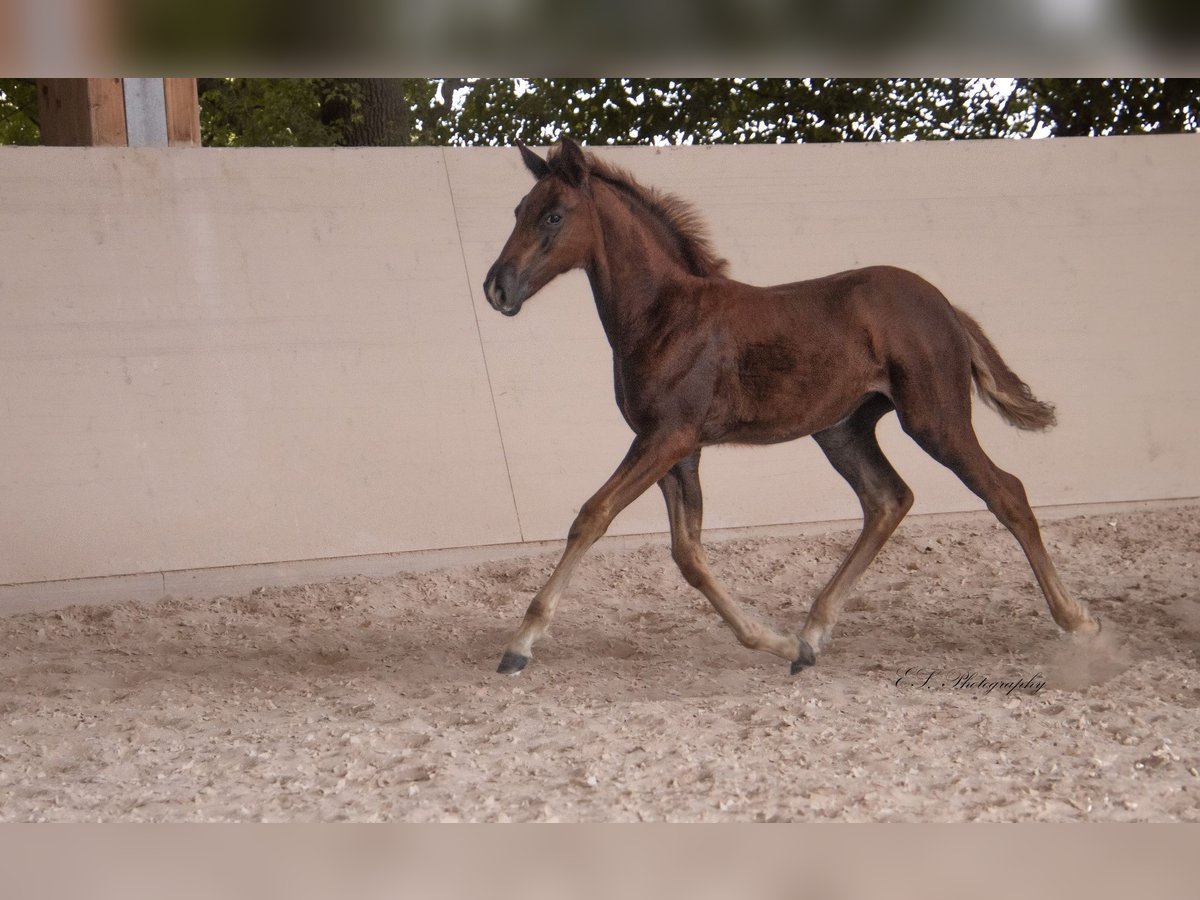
(225, 358)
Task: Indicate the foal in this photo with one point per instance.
(700, 359)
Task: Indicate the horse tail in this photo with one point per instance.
(999, 387)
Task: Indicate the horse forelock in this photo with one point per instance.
(678, 217)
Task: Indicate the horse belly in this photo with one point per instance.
(774, 426)
(781, 393)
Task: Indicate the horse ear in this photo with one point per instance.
(571, 164)
(533, 162)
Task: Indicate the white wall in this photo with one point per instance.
(220, 358)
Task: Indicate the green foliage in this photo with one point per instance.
(18, 111)
(320, 112)
(314, 112)
(1098, 106)
(271, 112)
(730, 110)
(489, 111)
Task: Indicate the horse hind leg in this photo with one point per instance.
(951, 440)
(852, 448)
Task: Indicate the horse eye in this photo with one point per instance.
(553, 219)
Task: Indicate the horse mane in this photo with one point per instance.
(678, 219)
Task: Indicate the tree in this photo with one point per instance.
(763, 110)
(389, 112)
(18, 111)
(268, 112)
(730, 110)
(323, 112)
(1098, 106)
(302, 112)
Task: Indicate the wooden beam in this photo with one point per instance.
(82, 112)
(63, 112)
(183, 112)
(106, 100)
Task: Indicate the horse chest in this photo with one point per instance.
(651, 392)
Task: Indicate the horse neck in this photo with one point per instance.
(632, 275)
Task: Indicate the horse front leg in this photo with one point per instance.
(685, 509)
(649, 459)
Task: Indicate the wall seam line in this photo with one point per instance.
(482, 350)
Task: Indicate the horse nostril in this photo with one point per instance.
(491, 290)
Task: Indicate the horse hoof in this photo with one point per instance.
(806, 658)
(512, 663)
(1089, 631)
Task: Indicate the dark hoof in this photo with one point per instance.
(805, 659)
(512, 663)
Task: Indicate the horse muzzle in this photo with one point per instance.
(505, 292)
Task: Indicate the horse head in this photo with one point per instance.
(553, 232)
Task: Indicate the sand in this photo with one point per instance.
(947, 693)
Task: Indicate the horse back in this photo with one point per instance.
(802, 356)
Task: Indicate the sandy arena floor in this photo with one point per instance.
(376, 699)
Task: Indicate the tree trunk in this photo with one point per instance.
(384, 119)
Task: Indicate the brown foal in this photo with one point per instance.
(701, 359)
